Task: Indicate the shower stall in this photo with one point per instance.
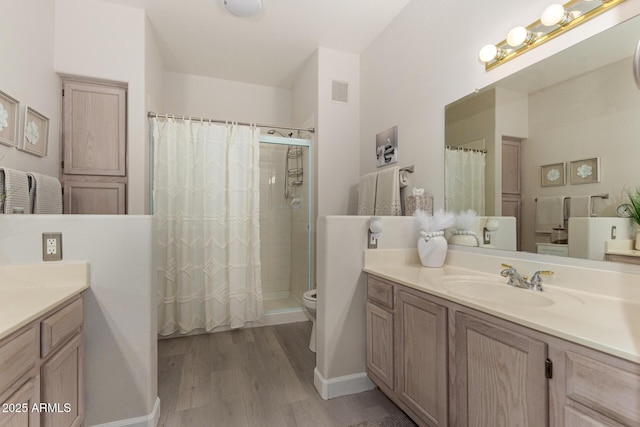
(285, 218)
(216, 191)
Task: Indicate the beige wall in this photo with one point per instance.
(120, 346)
(226, 100)
(26, 74)
(567, 122)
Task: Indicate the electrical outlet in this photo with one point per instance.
(51, 246)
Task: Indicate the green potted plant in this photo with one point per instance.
(634, 212)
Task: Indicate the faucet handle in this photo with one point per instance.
(546, 273)
(505, 265)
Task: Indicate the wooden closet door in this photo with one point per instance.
(94, 133)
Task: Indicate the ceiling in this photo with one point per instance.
(200, 37)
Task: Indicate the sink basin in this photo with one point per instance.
(496, 291)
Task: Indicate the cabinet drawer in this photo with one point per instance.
(18, 355)
(380, 292)
(608, 389)
(61, 325)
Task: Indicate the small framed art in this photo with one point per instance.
(36, 133)
(387, 147)
(9, 112)
(554, 175)
(585, 171)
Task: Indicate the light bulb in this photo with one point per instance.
(554, 15)
(519, 35)
(492, 224)
(375, 225)
(488, 53)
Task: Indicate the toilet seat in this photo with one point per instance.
(310, 295)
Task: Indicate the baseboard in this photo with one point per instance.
(150, 420)
(341, 386)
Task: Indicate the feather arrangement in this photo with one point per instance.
(465, 220)
(438, 222)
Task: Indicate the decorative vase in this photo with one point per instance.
(464, 238)
(432, 248)
(637, 245)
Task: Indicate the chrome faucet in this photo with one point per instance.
(519, 281)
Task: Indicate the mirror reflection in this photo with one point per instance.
(555, 146)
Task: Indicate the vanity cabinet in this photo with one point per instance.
(380, 332)
(500, 379)
(407, 350)
(41, 382)
(590, 388)
(453, 365)
(421, 356)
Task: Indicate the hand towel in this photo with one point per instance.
(367, 194)
(550, 213)
(45, 193)
(388, 193)
(16, 188)
(580, 206)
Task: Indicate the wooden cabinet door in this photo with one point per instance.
(88, 197)
(500, 376)
(510, 166)
(591, 389)
(62, 385)
(380, 344)
(421, 358)
(94, 129)
(18, 411)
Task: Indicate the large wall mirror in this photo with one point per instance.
(567, 127)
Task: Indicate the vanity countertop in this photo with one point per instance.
(621, 247)
(28, 291)
(609, 323)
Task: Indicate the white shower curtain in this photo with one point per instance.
(206, 212)
(464, 180)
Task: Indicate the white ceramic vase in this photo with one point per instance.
(466, 238)
(432, 249)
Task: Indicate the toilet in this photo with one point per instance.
(309, 302)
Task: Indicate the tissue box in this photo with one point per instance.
(414, 203)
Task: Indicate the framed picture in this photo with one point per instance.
(585, 171)
(36, 133)
(553, 175)
(9, 112)
(387, 147)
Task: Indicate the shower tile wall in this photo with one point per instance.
(275, 223)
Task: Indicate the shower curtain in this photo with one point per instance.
(207, 231)
(464, 180)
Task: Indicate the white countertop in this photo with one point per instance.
(621, 247)
(28, 291)
(604, 322)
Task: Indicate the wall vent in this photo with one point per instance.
(339, 91)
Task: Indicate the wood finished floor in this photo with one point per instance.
(253, 377)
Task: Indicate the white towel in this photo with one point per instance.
(388, 193)
(550, 213)
(45, 193)
(580, 206)
(16, 188)
(367, 194)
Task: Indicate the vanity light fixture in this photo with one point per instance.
(556, 19)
